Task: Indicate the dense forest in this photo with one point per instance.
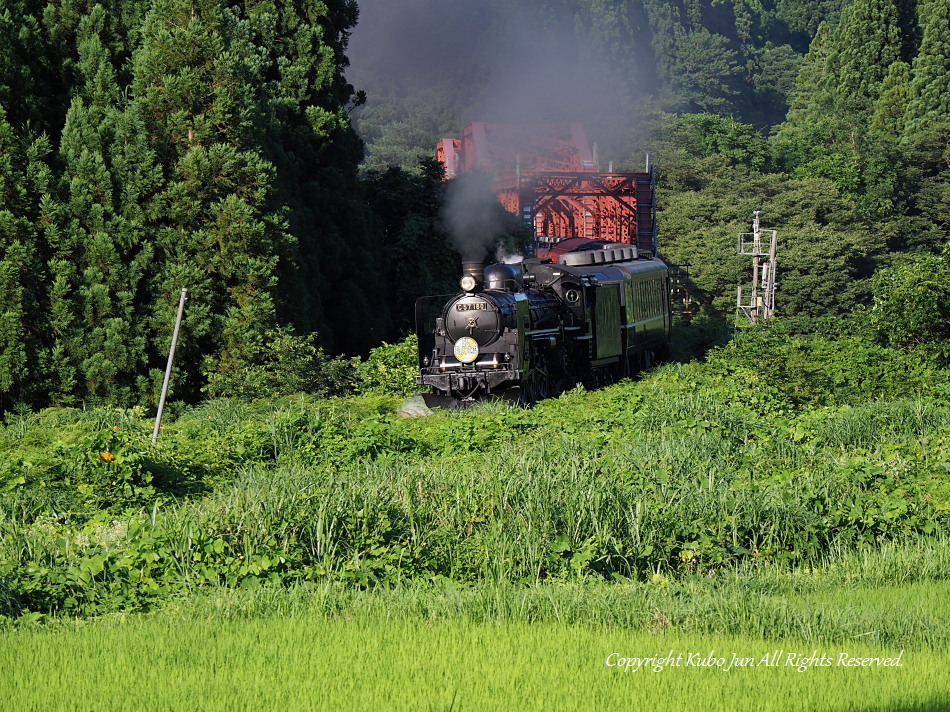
(828, 117)
(230, 149)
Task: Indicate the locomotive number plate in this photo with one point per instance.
(476, 306)
(466, 349)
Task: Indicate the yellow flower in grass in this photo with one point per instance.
(107, 456)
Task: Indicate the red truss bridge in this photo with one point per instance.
(548, 175)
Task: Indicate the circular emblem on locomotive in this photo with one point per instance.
(466, 349)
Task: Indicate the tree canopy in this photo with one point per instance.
(153, 147)
(147, 147)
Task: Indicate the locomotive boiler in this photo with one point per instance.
(591, 311)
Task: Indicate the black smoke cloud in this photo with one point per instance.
(490, 60)
(472, 215)
(410, 44)
(528, 62)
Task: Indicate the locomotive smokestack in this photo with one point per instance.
(475, 269)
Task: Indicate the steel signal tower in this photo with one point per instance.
(761, 245)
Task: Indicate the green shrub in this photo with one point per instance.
(390, 368)
(694, 337)
(812, 369)
(283, 365)
(776, 450)
(912, 306)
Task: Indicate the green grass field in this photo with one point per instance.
(313, 553)
(510, 647)
(316, 663)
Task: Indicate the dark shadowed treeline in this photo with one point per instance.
(147, 147)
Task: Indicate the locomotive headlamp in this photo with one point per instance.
(468, 283)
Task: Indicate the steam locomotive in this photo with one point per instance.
(591, 311)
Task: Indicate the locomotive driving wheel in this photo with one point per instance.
(538, 383)
(561, 372)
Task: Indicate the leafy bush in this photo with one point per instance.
(390, 368)
(704, 135)
(778, 449)
(912, 306)
(283, 365)
(693, 338)
(811, 369)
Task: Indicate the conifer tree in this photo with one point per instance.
(28, 107)
(705, 70)
(930, 87)
(32, 88)
(887, 117)
(826, 133)
(203, 144)
(307, 135)
(218, 233)
(886, 190)
(101, 257)
(808, 123)
(19, 344)
(844, 71)
(868, 41)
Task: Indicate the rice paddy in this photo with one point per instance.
(318, 663)
(862, 632)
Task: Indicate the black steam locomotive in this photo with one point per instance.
(592, 311)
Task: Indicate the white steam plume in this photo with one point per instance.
(502, 256)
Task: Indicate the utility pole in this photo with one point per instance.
(762, 246)
(168, 368)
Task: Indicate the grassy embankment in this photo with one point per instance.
(782, 496)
